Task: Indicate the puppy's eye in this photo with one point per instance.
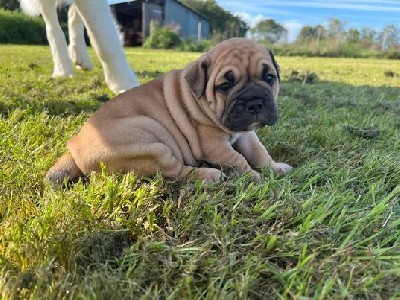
(269, 78)
(225, 87)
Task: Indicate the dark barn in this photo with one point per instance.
(134, 18)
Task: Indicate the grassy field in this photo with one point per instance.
(329, 230)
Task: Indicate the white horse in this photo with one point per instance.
(96, 16)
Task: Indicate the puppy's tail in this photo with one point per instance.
(64, 170)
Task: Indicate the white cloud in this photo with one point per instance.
(294, 28)
(249, 19)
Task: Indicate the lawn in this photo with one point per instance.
(329, 230)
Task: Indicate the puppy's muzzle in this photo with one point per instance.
(253, 108)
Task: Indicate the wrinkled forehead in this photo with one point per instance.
(241, 59)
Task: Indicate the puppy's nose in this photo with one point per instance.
(255, 105)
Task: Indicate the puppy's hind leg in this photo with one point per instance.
(64, 170)
(173, 168)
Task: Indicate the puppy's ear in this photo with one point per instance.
(196, 77)
(277, 68)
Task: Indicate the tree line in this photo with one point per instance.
(388, 38)
(333, 39)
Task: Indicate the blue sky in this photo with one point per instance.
(295, 14)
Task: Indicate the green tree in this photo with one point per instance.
(368, 34)
(353, 35)
(306, 33)
(270, 31)
(389, 37)
(367, 37)
(9, 4)
(336, 29)
(311, 33)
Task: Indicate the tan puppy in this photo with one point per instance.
(205, 112)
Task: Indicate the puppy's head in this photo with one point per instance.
(239, 80)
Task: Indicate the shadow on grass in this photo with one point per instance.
(54, 107)
(100, 247)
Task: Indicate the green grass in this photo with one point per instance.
(329, 230)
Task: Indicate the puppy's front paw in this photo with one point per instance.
(255, 175)
(281, 168)
(210, 175)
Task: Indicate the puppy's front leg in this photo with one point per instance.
(255, 153)
(218, 150)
